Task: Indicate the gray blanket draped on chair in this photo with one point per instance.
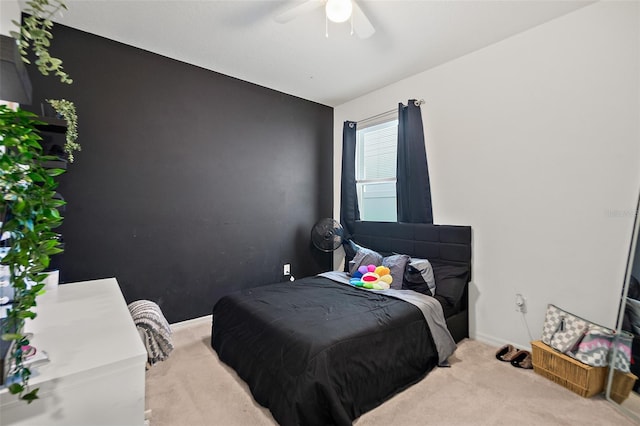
(153, 328)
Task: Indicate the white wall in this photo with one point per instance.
(534, 142)
(9, 10)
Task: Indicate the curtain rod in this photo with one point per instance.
(416, 103)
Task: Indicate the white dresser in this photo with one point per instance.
(97, 362)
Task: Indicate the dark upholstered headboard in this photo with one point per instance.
(442, 243)
(447, 243)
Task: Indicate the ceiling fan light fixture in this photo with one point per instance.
(338, 10)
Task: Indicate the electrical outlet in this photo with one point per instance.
(520, 303)
(286, 270)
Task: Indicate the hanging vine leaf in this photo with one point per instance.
(31, 396)
(34, 34)
(67, 110)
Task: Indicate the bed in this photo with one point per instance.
(317, 351)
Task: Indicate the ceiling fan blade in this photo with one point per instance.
(298, 10)
(361, 24)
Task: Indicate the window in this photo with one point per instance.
(376, 153)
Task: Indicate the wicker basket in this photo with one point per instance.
(622, 385)
(580, 378)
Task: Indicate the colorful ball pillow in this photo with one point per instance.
(372, 277)
(364, 257)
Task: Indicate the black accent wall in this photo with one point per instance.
(190, 184)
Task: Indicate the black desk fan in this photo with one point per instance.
(326, 234)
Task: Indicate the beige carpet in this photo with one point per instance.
(194, 388)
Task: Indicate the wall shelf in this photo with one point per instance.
(51, 124)
(55, 164)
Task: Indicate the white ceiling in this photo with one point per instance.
(241, 38)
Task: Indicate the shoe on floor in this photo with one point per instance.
(523, 360)
(506, 353)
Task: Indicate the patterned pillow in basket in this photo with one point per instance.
(594, 348)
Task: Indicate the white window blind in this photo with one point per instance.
(376, 153)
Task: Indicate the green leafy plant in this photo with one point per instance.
(29, 214)
(28, 210)
(67, 110)
(34, 33)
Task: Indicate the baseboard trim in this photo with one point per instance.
(494, 341)
(190, 322)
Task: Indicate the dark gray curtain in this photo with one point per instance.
(412, 187)
(349, 212)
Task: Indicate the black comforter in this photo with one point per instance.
(318, 352)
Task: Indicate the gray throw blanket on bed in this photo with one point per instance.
(153, 328)
(429, 306)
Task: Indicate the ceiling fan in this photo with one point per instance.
(335, 11)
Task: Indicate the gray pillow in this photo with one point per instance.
(451, 280)
(365, 256)
(396, 263)
(426, 270)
